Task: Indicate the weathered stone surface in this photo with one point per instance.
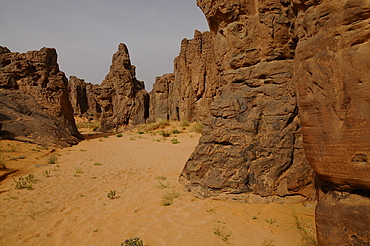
(252, 142)
(4, 50)
(83, 98)
(159, 98)
(194, 83)
(332, 77)
(122, 97)
(34, 99)
(342, 218)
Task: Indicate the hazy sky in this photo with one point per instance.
(86, 33)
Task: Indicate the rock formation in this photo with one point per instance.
(122, 97)
(252, 143)
(34, 101)
(83, 99)
(160, 98)
(332, 65)
(287, 69)
(193, 84)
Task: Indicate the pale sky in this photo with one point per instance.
(86, 33)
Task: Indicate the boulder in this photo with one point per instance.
(34, 100)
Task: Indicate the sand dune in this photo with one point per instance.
(71, 206)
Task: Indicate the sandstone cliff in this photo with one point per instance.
(287, 69)
(252, 141)
(34, 101)
(332, 65)
(122, 97)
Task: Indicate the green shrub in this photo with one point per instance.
(175, 131)
(174, 141)
(46, 174)
(91, 125)
(119, 135)
(184, 123)
(134, 241)
(167, 199)
(25, 183)
(197, 127)
(160, 178)
(52, 159)
(165, 133)
(159, 124)
(111, 194)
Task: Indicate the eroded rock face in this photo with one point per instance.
(332, 78)
(34, 99)
(160, 98)
(252, 142)
(192, 85)
(83, 98)
(122, 97)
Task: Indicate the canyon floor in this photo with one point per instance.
(68, 203)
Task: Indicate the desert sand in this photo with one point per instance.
(69, 204)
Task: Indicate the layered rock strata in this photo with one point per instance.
(332, 65)
(252, 142)
(34, 101)
(83, 99)
(122, 98)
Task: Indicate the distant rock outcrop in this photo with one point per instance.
(160, 104)
(332, 65)
(123, 98)
(191, 87)
(252, 141)
(83, 99)
(34, 103)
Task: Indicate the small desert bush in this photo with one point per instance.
(25, 183)
(167, 199)
(175, 131)
(184, 123)
(175, 141)
(78, 170)
(52, 159)
(111, 194)
(165, 134)
(307, 232)
(163, 185)
(197, 127)
(119, 135)
(222, 234)
(134, 241)
(159, 124)
(46, 174)
(160, 178)
(91, 125)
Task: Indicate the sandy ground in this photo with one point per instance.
(69, 202)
